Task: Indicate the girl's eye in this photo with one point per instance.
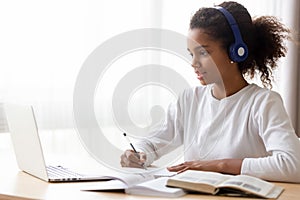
(200, 53)
(203, 53)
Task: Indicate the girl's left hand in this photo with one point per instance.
(230, 166)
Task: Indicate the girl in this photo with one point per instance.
(228, 125)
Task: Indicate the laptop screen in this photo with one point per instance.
(25, 139)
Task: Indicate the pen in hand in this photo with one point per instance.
(136, 153)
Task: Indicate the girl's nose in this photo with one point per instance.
(195, 63)
(195, 66)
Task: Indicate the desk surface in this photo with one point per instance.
(15, 184)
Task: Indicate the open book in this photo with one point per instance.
(140, 183)
(220, 184)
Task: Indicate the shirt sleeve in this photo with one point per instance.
(164, 137)
(281, 143)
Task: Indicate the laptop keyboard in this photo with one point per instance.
(59, 172)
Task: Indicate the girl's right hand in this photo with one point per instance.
(131, 159)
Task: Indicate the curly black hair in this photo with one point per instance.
(264, 37)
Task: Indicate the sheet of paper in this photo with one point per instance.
(105, 186)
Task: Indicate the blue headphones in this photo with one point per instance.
(238, 51)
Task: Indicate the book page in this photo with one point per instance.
(156, 187)
(275, 192)
(151, 171)
(119, 181)
(124, 180)
(112, 185)
(163, 173)
(249, 184)
(209, 178)
(131, 179)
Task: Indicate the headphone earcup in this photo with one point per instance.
(238, 52)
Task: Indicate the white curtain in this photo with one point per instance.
(45, 43)
(290, 71)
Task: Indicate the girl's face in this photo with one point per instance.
(209, 59)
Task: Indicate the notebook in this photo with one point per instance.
(28, 150)
(137, 185)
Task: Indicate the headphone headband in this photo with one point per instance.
(238, 51)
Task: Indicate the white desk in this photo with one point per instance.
(15, 184)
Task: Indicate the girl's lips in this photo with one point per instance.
(200, 76)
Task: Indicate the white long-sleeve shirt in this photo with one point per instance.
(251, 125)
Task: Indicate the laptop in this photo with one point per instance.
(28, 150)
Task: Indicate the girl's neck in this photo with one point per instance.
(226, 89)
